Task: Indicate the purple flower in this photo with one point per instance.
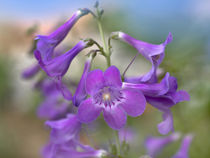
(71, 149)
(31, 71)
(46, 44)
(155, 145)
(163, 96)
(53, 106)
(64, 140)
(58, 66)
(80, 93)
(107, 95)
(152, 52)
(183, 151)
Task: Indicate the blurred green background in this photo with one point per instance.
(22, 134)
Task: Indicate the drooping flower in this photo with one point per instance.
(80, 93)
(58, 66)
(108, 96)
(183, 151)
(31, 71)
(53, 106)
(152, 52)
(64, 140)
(163, 96)
(46, 44)
(154, 145)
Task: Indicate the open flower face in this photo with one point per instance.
(107, 95)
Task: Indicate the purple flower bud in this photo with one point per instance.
(31, 71)
(108, 95)
(152, 52)
(80, 93)
(183, 151)
(155, 145)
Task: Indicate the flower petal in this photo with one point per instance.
(115, 117)
(112, 77)
(167, 125)
(134, 102)
(94, 81)
(88, 112)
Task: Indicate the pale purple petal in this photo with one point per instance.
(115, 117)
(94, 81)
(155, 145)
(151, 89)
(112, 77)
(88, 112)
(63, 89)
(167, 124)
(134, 102)
(81, 93)
(184, 149)
(126, 134)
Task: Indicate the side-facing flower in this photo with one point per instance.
(183, 151)
(154, 145)
(107, 95)
(80, 93)
(163, 96)
(46, 44)
(152, 52)
(64, 140)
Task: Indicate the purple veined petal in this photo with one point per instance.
(46, 44)
(112, 77)
(88, 112)
(94, 81)
(65, 129)
(184, 149)
(115, 117)
(81, 93)
(151, 89)
(63, 89)
(31, 71)
(167, 124)
(154, 145)
(180, 96)
(134, 102)
(152, 52)
(58, 66)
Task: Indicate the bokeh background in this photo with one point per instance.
(22, 134)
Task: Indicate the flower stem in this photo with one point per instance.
(118, 143)
(107, 52)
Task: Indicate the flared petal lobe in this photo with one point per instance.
(88, 111)
(134, 102)
(31, 71)
(115, 117)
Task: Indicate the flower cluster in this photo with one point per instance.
(97, 92)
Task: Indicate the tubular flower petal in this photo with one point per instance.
(108, 96)
(183, 151)
(152, 52)
(46, 44)
(155, 145)
(80, 93)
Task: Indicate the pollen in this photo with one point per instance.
(106, 96)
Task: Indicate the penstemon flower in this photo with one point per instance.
(102, 92)
(108, 96)
(152, 52)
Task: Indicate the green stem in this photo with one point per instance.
(107, 52)
(117, 143)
